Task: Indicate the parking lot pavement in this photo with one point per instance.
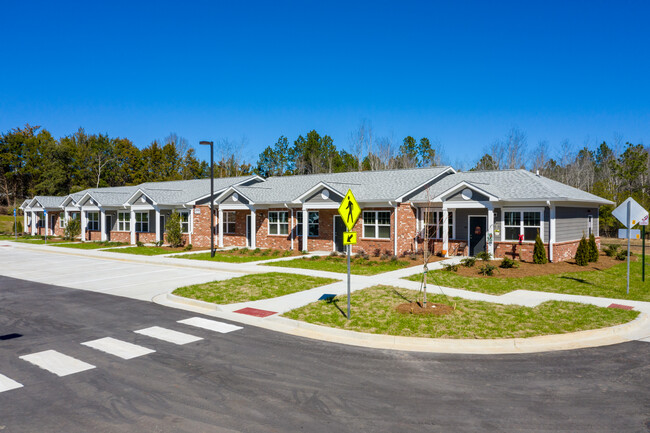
(141, 281)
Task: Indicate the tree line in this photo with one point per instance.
(32, 162)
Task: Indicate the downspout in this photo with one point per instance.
(395, 228)
(551, 230)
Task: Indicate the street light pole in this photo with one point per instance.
(211, 143)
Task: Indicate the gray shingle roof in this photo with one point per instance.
(49, 201)
(512, 185)
(184, 191)
(367, 186)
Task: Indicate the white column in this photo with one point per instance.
(220, 224)
(83, 225)
(253, 229)
(157, 225)
(33, 227)
(305, 229)
(47, 222)
(395, 231)
(132, 226)
(102, 224)
(445, 231)
(25, 220)
(292, 232)
(551, 233)
(66, 217)
(490, 231)
(189, 235)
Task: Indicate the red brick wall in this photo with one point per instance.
(264, 240)
(237, 239)
(406, 228)
(93, 235)
(120, 236)
(201, 232)
(145, 238)
(562, 251)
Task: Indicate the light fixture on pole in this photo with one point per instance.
(211, 143)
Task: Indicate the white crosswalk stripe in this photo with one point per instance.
(7, 384)
(211, 325)
(118, 348)
(57, 363)
(168, 335)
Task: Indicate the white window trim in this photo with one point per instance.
(521, 211)
(126, 222)
(376, 225)
(299, 223)
(141, 222)
(90, 222)
(277, 223)
(227, 221)
(424, 225)
(61, 221)
(181, 213)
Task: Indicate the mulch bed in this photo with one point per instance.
(529, 269)
(431, 309)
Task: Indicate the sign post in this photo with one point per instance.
(45, 218)
(15, 225)
(643, 223)
(349, 211)
(630, 213)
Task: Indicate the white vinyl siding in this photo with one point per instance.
(278, 223)
(376, 224)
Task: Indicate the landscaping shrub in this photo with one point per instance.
(19, 229)
(469, 262)
(593, 248)
(188, 247)
(393, 259)
(173, 230)
(287, 253)
(376, 252)
(622, 255)
(243, 251)
(539, 252)
(72, 229)
(508, 263)
(256, 251)
(384, 257)
(487, 269)
(314, 258)
(484, 255)
(582, 253)
(450, 267)
(611, 250)
(139, 244)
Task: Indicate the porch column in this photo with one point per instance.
(490, 232)
(25, 220)
(83, 226)
(46, 216)
(102, 223)
(157, 224)
(253, 229)
(395, 231)
(33, 227)
(132, 226)
(305, 229)
(191, 230)
(551, 233)
(445, 231)
(292, 232)
(220, 224)
(66, 217)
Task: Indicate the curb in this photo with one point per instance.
(545, 343)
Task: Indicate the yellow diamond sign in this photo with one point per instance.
(349, 238)
(349, 210)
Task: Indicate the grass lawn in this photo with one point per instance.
(7, 223)
(606, 283)
(358, 266)
(373, 311)
(40, 240)
(92, 245)
(238, 255)
(145, 251)
(251, 287)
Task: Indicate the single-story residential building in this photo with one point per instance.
(457, 213)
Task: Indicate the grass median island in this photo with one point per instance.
(145, 251)
(358, 265)
(251, 287)
(239, 255)
(604, 282)
(92, 245)
(373, 310)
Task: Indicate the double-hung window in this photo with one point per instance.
(435, 224)
(278, 223)
(142, 222)
(185, 222)
(312, 220)
(62, 221)
(527, 223)
(229, 225)
(123, 222)
(376, 224)
(93, 221)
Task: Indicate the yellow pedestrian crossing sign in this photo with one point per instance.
(349, 210)
(349, 238)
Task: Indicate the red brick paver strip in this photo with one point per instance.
(256, 312)
(622, 307)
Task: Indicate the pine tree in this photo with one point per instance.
(593, 248)
(539, 253)
(173, 230)
(582, 253)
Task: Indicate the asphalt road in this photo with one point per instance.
(254, 380)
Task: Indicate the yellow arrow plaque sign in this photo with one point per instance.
(349, 210)
(349, 238)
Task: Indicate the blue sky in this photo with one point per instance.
(460, 73)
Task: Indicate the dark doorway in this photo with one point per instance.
(248, 231)
(339, 228)
(162, 226)
(477, 228)
(109, 226)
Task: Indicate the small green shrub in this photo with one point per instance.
(256, 251)
(487, 269)
(593, 248)
(173, 230)
(243, 251)
(582, 253)
(314, 258)
(611, 250)
(72, 229)
(484, 255)
(393, 259)
(508, 263)
(539, 252)
(622, 255)
(384, 257)
(469, 262)
(19, 229)
(287, 253)
(139, 244)
(188, 247)
(450, 267)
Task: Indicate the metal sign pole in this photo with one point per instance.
(643, 253)
(349, 248)
(15, 225)
(629, 227)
